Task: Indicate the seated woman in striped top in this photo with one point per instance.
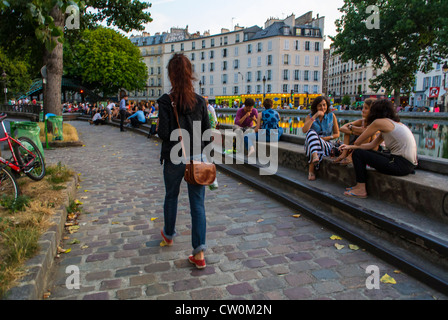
(321, 126)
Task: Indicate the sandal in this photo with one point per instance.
(338, 160)
(351, 194)
(345, 161)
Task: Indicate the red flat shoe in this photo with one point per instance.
(200, 264)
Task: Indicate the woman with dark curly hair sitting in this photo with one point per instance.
(321, 126)
(398, 138)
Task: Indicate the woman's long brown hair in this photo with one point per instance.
(181, 76)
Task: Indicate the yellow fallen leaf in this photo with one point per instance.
(339, 246)
(61, 250)
(397, 271)
(86, 190)
(72, 229)
(84, 247)
(260, 220)
(388, 279)
(152, 219)
(296, 215)
(115, 222)
(334, 237)
(353, 247)
(78, 202)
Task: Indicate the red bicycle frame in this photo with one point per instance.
(13, 165)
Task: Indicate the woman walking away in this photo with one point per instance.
(402, 159)
(321, 126)
(190, 108)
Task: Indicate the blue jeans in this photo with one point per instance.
(251, 138)
(173, 175)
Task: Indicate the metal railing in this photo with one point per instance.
(20, 108)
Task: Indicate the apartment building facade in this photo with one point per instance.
(351, 79)
(282, 61)
(431, 88)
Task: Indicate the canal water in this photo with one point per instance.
(431, 135)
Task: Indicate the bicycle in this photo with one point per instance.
(25, 158)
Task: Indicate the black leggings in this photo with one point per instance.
(383, 162)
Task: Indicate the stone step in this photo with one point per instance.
(409, 240)
(424, 192)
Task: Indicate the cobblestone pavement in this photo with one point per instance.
(257, 248)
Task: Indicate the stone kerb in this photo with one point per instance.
(33, 285)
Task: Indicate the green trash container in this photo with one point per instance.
(30, 130)
(57, 127)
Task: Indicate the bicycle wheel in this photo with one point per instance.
(8, 184)
(35, 170)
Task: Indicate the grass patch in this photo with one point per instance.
(70, 133)
(12, 205)
(58, 174)
(23, 222)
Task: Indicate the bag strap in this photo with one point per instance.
(180, 130)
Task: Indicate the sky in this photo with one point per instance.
(212, 15)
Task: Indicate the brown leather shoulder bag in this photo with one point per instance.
(196, 172)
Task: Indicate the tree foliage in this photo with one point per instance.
(106, 60)
(126, 15)
(18, 78)
(41, 24)
(411, 36)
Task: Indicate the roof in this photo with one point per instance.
(150, 40)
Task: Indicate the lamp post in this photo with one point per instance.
(292, 99)
(306, 106)
(264, 88)
(4, 86)
(242, 82)
(445, 71)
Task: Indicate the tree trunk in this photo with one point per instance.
(54, 62)
(397, 97)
